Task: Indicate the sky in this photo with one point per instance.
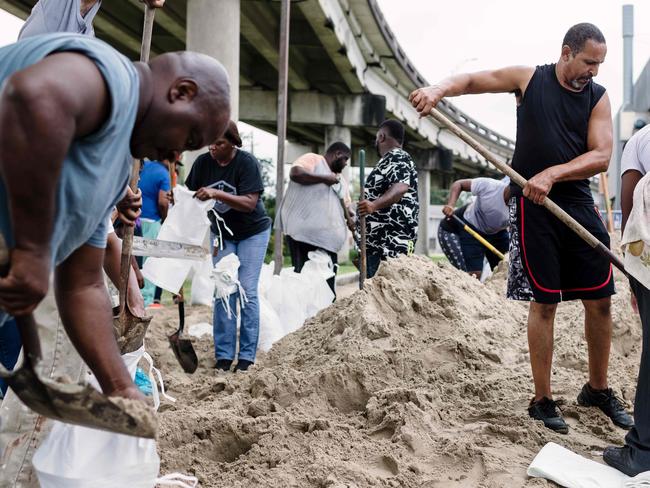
(446, 37)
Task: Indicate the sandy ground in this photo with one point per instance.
(420, 380)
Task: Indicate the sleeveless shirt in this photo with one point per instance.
(552, 127)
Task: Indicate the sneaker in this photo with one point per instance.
(155, 306)
(546, 410)
(243, 365)
(223, 364)
(621, 459)
(608, 403)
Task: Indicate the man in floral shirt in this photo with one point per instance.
(391, 199)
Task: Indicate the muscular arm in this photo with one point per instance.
(393, 195)
(505, 80)
(304, 177)
(594, 161)
(457, 187)
(86, 313)
(628, 184)
(42, 110)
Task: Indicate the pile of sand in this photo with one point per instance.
(420, 380)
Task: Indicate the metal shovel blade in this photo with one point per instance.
(183, 349)
(130, 330)
(79, 404)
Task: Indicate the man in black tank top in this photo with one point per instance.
(564, 137)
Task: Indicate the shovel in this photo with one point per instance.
(551, 206)
(363, 263)
(183, 349)
(478, 237)
(71, 403)
(130, 329)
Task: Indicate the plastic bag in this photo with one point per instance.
(202, 283)
(187, 222)
(79, 457)
(225, 276)
(270, 326)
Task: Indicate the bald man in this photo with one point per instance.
(73, 114)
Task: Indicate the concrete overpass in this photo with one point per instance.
(347, 73)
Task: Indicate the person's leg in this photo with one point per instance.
(157, 295)
(332, 281)
(598, 333)
(372, 264)
(224, 327)
(251, 254)
(299, 253)
(450, 245)
(540, 343)
(10, 345)
(638, 438)
(150, 230)
(473, 253)
(501, 242)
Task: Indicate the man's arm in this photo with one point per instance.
(505, 80)
(594, 161)
(302, 176)
(457, 187)
(42, 110)
(628, 184)
(393, 195)
(87, 316)
(163, 203)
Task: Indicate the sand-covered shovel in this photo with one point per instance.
(551, 206)
(183, 349)
(70, 403)
(363, 262)
(129, 328)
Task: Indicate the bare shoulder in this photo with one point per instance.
(69, 82)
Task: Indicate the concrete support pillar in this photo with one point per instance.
(424, 192)
(341, 134)
(213, 29)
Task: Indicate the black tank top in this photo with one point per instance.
(552, 125)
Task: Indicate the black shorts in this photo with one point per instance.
(551, 260)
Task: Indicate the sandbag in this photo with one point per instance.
(202, 283)
(79, 457)
(270, 326)
(187, 222)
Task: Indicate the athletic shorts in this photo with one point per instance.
(549, 263)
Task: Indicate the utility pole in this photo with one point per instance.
(283, 74)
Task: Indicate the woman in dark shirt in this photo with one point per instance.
(232, 178)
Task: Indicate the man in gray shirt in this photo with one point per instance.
(487, 214)
(75, 16)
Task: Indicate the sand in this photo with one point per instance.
(420, 380)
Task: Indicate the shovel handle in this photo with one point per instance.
(551, 206)
(29, 337)
(363, 259)
(127, 241)
(478, 237)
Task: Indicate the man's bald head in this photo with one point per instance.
(189, 107)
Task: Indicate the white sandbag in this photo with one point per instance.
(270, 326)
(79, 457)
(225, 276)
(200, 329)
(187, 222)
(571, 470)
(202, 283)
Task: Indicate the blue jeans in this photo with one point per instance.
(251, 254)
(150, 230)
(10, 345)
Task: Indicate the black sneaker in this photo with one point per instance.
(546, 410)
(243, 365)
(621, 459)
(608, 403)
(223, 364)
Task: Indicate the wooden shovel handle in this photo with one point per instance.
(127, 241)
(570, 222)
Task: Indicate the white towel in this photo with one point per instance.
(636, 238)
